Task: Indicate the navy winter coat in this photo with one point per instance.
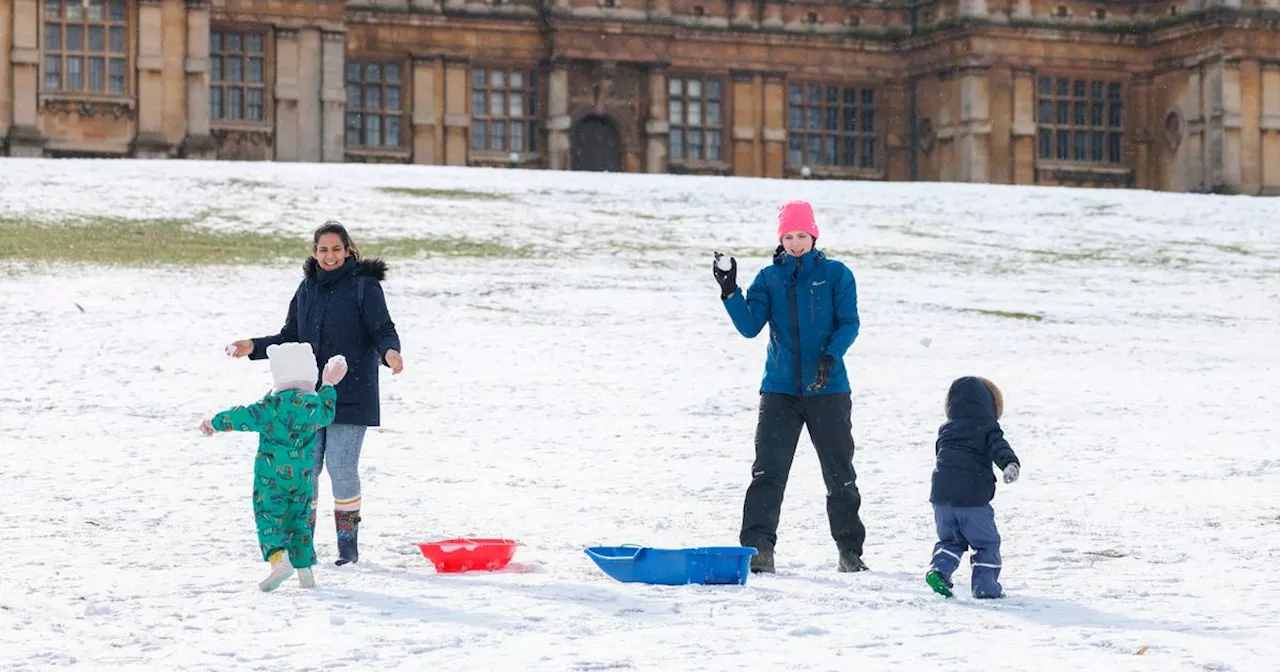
(328, 312)
(811, 306)
(969, 442)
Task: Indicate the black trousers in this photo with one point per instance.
(828, 418)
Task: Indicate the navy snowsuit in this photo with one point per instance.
(969, 442)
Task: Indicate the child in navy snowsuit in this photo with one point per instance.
(969, 442)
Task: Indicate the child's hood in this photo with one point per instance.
(970, 398)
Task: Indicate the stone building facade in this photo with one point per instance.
(1177, 95)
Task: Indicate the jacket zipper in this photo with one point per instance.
(798, 378)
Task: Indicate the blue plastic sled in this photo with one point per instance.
(713, 565)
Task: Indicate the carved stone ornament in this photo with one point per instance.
(243, 137)
(1174, 127)
(926, 135)
(89, 108)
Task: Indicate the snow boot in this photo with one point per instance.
(762, 561)
(306, 579)
(850, 562)
(938, 583)
(280, 571)
(348, 524)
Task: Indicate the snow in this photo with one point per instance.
(595, 393)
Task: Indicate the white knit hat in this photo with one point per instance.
(292, 365)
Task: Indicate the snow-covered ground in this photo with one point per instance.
(595, 392)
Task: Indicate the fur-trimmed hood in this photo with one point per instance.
(372, 267)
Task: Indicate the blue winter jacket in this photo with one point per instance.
(969, 442)
(343, 312)
(811, 306)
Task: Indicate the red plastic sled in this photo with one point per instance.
(460, 555)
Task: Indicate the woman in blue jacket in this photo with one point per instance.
(339, 308)
(810, 303)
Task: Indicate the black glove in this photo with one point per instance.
(728, 279)
(824, 373)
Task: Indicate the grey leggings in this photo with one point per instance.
(339, 445)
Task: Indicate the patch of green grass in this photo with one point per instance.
(1008, 314)
(455, 194)
(115, 241)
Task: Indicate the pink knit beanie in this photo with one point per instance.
(796, 216)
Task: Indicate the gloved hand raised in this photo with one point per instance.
(823, 374)
(1011, 472)
(725, 271)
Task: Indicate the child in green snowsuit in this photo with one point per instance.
(287, 421)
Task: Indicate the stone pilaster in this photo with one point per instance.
(428, 119)
(1269, 124)
(333, 96)
(24, 137)
(975, 126)
(457, 106)
(150, 141)
(657, 128)
(1024, 126)
(774, 124)
(747, 150)
(558, 121)
(286, 94)
(199, 143)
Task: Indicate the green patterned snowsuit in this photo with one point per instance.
(284, 471)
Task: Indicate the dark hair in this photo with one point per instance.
(335, 227)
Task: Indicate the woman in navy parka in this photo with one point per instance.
(339, 308)
(810, 303)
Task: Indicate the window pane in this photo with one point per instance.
(850, 96)
(393, 131)
(97, 74)
(695, 114)
(477, 103)
(516, 107)
(116, 82)
(515, 79)
(795, 95)
(53, 9)
(695, 145)
(675, 110)
(795, 117)
(235, 102)
(215, 102)
(850, 120)
(869, 153)
(117, 10)
(372, 130)
(833, 119)
(713, 89)
(814, 155)
(254, 104)
(498, 136)
(1113, 92)
(1064, 112)
(1081, 114)
(479, 138)
(52, 73)
(694, 88)
(676, 142)
(97, 10)
(533, 136)
(1064, 142)
(235, 69)
(814, 117)
(353, 130)
(1117, 115)
(75, 37)
(478, 77)
(713, 146)
(373, 72)
(353, 72)
(97, 38)
(1046, 141)
(253, 43)
(233, 43)
(795, 149)
(815, 93)
(75, 73)
(256, 68)
(391, 72)
(1096, 142)
(1064, 87)
(1046, 111)
(497, 104)
(1096, 89)
(393, 98)
(868, 97)
(215, 41)
(1078, 88)
(215, 69)
(517, 137)
(1080, 146)
(829, 149)
(353, 96)
(372, 95)
(850, 158)
(1114, 148)
(868, 121)
(75, 10)
(117, 40)
(675, 87)
(833, 95)
(713, 114)
(1095, 114)
(53, 36)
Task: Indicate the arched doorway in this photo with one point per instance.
(596, 146)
